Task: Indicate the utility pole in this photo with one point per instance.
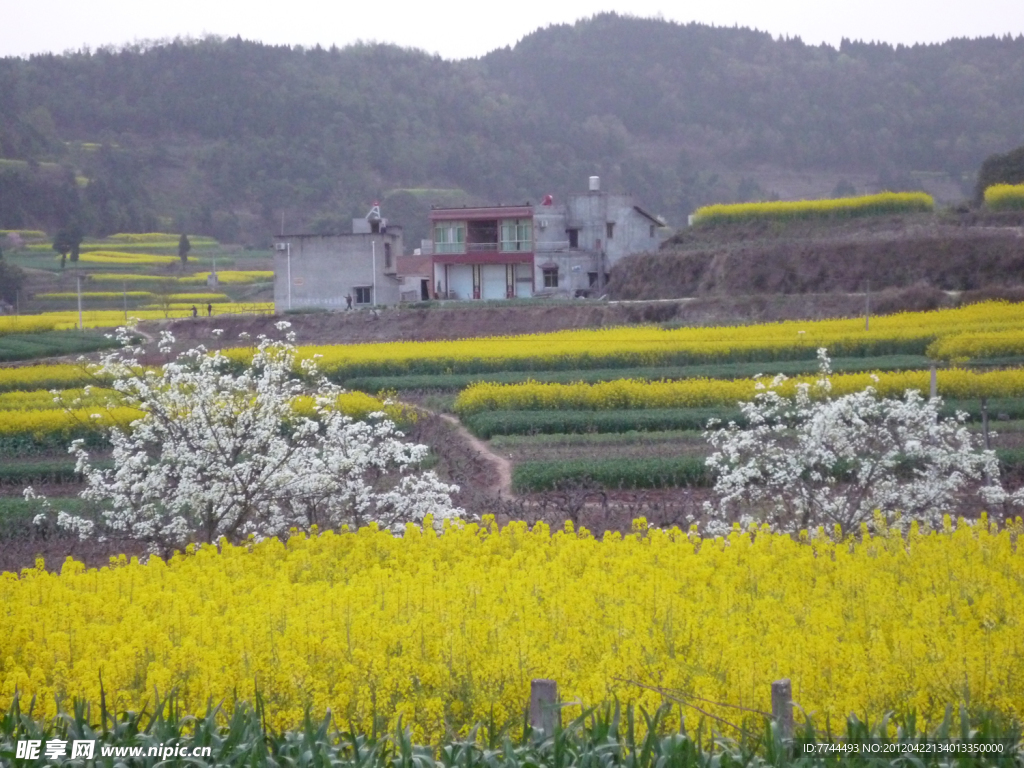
(373, 249)
(124, 295)
(288, 248)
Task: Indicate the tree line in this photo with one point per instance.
(222, 136)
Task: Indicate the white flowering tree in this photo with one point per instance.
(818, 459)
(222, 450)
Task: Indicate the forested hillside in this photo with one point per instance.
(223, 137)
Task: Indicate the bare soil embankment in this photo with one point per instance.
(948, 252)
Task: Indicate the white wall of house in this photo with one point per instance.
(322, 270)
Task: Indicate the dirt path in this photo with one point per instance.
(502, 466)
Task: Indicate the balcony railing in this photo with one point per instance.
(518, 246)
(550, 246)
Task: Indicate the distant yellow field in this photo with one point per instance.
(842, 207)
(1005, 197)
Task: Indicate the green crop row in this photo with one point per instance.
(370, 372)
(452, 381)
(653, 472)
(618, 473)
(26, 346)
(52, 471)
(26, 445)
(491, 423)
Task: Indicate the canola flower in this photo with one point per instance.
(33, 234)
(159, 237)
(26, 324)
(701, 392)
(232, 276)
(1005, 197)
(42, 399)
(123, 257)
(227, 276)
(842, 207)
(95, 295)
(653, 345)
(36, 412)
(978, 345)
(66, 422)
(60, 376)
(114, 318)
(448, 629)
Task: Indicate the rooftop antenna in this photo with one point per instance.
(378, 223)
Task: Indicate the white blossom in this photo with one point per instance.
(815, 459)
(222, 452)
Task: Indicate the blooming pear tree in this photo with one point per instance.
(816, 459)
(222, 450)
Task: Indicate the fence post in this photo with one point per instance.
(934, 388)
(782, 707)
(544, 705)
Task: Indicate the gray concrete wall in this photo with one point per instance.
(592, 212)
(589, 213)
(324, 269)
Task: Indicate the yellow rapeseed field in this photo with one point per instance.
(652, 345)
(95, 295)
(124, 257)
(26, 324)
(35, 411)
(112, 318)
(444, 630)
(842, 207)
(227, 276)
(1005, 197)
(58, 376)
(701, 392)
(978, 345)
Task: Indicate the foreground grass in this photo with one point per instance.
(605, 737)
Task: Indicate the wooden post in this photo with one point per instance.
(544, 705)
(934, 390)
(782, 707)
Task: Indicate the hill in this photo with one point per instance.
(224, 136)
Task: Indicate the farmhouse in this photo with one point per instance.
(329, 270)
(499, 252)
(488, 252)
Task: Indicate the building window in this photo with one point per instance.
(387, 255)
(517, 235)
(574, 238)
(652, 230)
(592, 277)
(364, 295)
(550, 277)
(450, 237)
(609, 230)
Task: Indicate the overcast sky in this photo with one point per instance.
(465, 28)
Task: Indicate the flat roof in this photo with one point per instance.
(482, 212)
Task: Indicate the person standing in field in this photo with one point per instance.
(209, 310)
(195, 312)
